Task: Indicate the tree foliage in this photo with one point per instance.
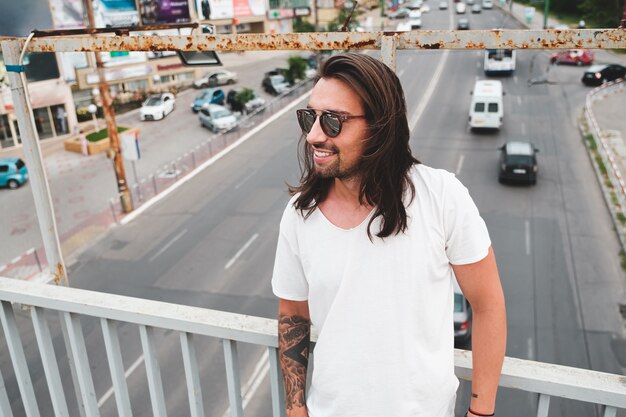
(297, 68)
(603, 13)
(300, 25)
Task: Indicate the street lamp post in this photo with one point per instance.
(93, 109)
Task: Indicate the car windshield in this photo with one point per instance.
(458, 303)
(203, 95)
(220, 114)
(153, 101)
(277, 79)
(519, 160)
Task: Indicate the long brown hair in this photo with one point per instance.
(387, 157)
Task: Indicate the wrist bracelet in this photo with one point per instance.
(469, 410)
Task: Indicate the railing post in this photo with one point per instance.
(231, 361)
(543, 406)
(32, 153)
(388, 46)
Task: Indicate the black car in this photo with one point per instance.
(274, 82)
(518, 162)
(600, 74)
(462, 24)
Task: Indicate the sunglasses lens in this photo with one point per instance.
(331, 125)
(306, 119)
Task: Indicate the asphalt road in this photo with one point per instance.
(556, 250)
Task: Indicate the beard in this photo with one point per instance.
(337, 169)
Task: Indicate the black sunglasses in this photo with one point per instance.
(330, 122)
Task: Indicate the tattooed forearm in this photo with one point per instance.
(294, 336)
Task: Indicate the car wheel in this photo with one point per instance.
(162, 115)
(204, 85)
(13, 184)
(231, 81)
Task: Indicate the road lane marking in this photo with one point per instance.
(523, 128)
(527, 233)
(241, 251)
(519, 100)
(166, 247)
(252, 385)
(401, 73)
(477, 64)
(459, 165)
(530, 349)
(136, 213)
(130, 370)
(246, 178)
(410, 60)
(433, 83)
(515, 79)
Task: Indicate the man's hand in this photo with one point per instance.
(294, 338)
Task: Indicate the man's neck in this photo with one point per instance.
(347, 190)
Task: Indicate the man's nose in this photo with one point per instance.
(316, 135)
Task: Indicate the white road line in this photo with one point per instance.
(433, 83)
(523, 128)
(515, 79)
(241, 251)
(410, 60)
(401, 73)
(246, 178)
(136, 213)
(130, 370)
(527, 230)
(252, 385)
(166, 247)
(519, 100)
(16, 259)
(459, 165)
(477, 64)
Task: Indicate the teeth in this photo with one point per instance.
(321, 154)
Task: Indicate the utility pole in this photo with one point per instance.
(546, 10)
(109, 116)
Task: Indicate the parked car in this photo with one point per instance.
(215, 78)
(415, 4)
(157, 106)
(403, 27)
(487, 4)
(476, 8)
(462, 316)
(463, 24)
(13, 172)
(415, 19)
(274, 82)
(573, 57)
(518, 162)
(217, 118)
(425, 8)
(443, 5)
(248, 104)
(401, 13)
(210, 96)
(599, 74)
(468, 2)
(460, 8)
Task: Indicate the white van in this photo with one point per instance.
(499, 61)
(486, 108)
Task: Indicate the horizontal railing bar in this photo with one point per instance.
(542, 378)
(421, 39)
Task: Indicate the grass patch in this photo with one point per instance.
(622, 258)
(591, 142)
(601, 165)
(101, 134)
(615, 200)
(622, 219)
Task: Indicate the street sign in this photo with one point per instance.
(130, 146)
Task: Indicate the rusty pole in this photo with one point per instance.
(109, 116)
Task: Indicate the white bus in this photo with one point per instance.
(499, 61)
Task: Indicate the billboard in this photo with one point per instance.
(115, 13)
(249, 8)
(215, 9)
(164, 11)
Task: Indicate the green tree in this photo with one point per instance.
(300, 25)
(297, 68)
(602, 13)
(244, 96)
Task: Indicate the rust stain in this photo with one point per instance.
(365, 43)
(431, 46)
(59, 276)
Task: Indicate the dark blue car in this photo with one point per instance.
(206, 97)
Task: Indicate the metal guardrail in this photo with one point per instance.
(78, 309)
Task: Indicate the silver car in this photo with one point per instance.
(217, 118)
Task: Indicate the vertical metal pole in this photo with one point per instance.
(388, 50)
(546, 10)
(109, 116)
(137, 181)
(32, 153)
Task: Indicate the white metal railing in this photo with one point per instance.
(72, 304)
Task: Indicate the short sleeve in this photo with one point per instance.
(288, 279)
(467, 238)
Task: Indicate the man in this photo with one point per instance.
(366, 251)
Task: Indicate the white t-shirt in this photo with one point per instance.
(383, 309)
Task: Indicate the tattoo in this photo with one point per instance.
(474, 395)
(294, 337)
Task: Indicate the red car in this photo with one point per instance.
(573, 57)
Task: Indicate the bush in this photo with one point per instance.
(300, 25)
(103, 133)
(297, 68)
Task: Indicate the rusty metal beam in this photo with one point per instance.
(422, 39)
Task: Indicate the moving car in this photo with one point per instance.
(487, 4)
(157, 106)
(403, 27)
(401, 13)
(210, 96)
(13, 172)
(486, 107)
(600, 74)
(518, 162)
(463, 24)
(274, 82)
(217, 118)
(443, 5)
(214, 78)
(462, 316)
(573, 57)
(243, 102)
(460, 8)
(499, 62)
(476, 8)
(415, 5)
(425, 8)
(415, 19)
